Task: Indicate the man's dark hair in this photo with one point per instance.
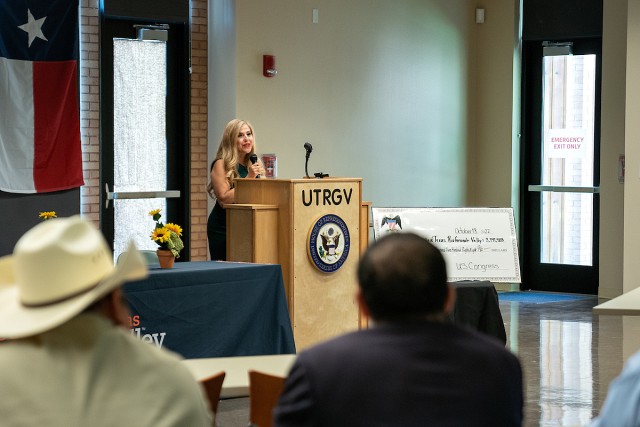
(403, 276)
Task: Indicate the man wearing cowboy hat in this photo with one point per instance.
(66, 361)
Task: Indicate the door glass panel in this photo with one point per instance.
(140, 146)
(568, 158)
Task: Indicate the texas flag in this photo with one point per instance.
(40, 149)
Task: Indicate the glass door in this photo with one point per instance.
(143, 147)
(562, 160)
(139, 140)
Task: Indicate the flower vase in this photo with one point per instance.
(165, 258)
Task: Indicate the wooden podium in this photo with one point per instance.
(316, 229)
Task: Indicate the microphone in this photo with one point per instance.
(254, 158)
(309, 148)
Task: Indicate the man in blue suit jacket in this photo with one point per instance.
(412, 367)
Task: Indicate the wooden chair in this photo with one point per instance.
(213, 386)
(264, 391)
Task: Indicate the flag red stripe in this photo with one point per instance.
(57, 163)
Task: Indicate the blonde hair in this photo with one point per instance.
(228, 152)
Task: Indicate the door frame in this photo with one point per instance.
(535, 275)
(178, 110)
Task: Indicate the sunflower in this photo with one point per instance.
(154, 213)
(47, 215)
(161, 235)
(175, 228)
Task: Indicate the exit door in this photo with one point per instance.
(144, 137)
(560, 185)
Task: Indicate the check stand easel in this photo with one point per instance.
(272, 221)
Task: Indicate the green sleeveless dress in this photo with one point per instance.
(217, 225)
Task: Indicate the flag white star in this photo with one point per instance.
(33, 27)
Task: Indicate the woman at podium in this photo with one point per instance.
(236, 158)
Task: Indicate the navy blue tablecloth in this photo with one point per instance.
(212, 309)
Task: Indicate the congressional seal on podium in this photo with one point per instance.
(328, 243)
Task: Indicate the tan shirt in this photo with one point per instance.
(89, 373)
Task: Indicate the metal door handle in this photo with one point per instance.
(168, 194)
(564, 189)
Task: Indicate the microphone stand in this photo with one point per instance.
(306, 164)
(308, 147)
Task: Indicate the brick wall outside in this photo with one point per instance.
(90, 120)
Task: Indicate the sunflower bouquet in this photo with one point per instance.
(166, 236)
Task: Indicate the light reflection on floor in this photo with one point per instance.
(569, 357)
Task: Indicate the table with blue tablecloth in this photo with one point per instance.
(212, 309)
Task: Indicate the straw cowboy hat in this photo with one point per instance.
(59, 268)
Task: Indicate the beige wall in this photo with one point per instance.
(490, 157)
(380, 89)
(420, 101)
(632, 151)
(614, 52)
(612, 143)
